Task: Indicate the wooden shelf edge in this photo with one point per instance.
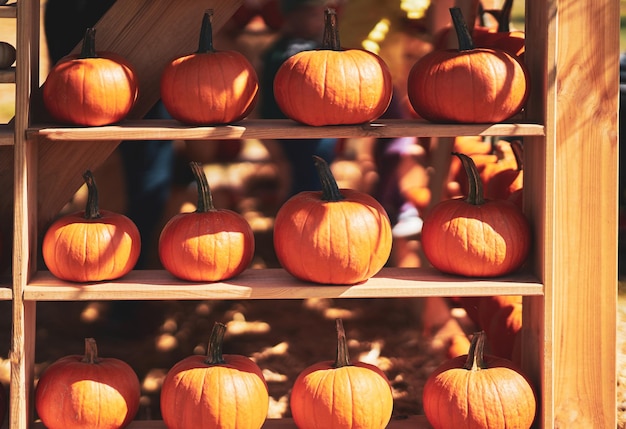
(7, 135)
(276, 283)
(7, 75)
(8, 11)
(161, 129)
(6, 293)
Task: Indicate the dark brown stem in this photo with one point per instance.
(88, 49)
(205, 198)
(214, 351)
(476, 355)
(476, 193)
(330, 189)
(92, 211)
(518, 153)
(466, 42)
(91, 351)
(205, 44)
(343, 355)
(331, 31)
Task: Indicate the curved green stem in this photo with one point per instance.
(476, 193)
(330, 189)
(476, 354)
(343, 355)
(214, 354)
(466, 42)
(205, 198)
(92, 211)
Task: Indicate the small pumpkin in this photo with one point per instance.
(504, 329)
(468, 84)
(209, 86)
(216, 391)
(209, 244)
(331, 86)
(87, 391)
(92, 88)
(332, 236)
(93, 244)
(479, 391)
(476, 237)
(509, 178)
(7, 55)
(341, 395)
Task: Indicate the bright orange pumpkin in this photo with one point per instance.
(341, 395)
(87, 391)
(331, 86)
(479, 391)
(92, 88)
(216, 391)
(209, 86)
(332, 236)
(509, 177)
(93, 244)
(209, 244)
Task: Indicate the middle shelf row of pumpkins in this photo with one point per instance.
(327, 86)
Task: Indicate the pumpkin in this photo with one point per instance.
(479, 391)
(7, 55)
(504, 328)
(209, 244)
(476, 237)
(488, 306)
(341, 395)
(332, 236)
(87, 391)
(331, 86)
(468, 84)
(512, 42)
(509, 178)
(91, 88)
(216, 391)
(93, 244)
(209, 86)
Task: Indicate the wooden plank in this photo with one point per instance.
(276, 283)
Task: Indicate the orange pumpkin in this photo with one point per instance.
(87, 391)
(341, 395)
(209, 86)
(509, 177)
(476, 237)
(504, 328)
(93, 244)
(471, 85)
(331, 86)
(92, 88)
(478, 391)
(332, 236)
(216, 391)
(209, 244)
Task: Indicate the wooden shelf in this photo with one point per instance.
(159, 129)
(276, 283)
(8, 11)
(7, 75)
(6, 294)
(7, 135)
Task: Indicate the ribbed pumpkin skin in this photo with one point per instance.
(209, 246)
(332, 242)
(326, 87)
(207, 88)
(231, 395)
(83, 250)
(351, 397)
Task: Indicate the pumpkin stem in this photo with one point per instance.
(504, 18)
(91, 209)
(205, 198)
(330, 189)
(343, 355)
(214, 351)
(88, 49)
(466, 42)
(476, 354)
(331, 30)
(205, 45)
(91, 351)
(475, 194)
(516, 146)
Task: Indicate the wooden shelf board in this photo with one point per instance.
(7, 135)
(6, 293)
(276, 283)
(160, 129)
(7, 75)
(8, 11)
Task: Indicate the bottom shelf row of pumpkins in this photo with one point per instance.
(226, 391)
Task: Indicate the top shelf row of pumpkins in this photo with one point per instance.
(488, 83)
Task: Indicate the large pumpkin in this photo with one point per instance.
(87, 391)
(209, 244)
(209, 86)
(92, 88)
(471, 85)
(474, 236)
(93, 244)
(332, 236)
(216, 391)
(341, 395)
(331, 86)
